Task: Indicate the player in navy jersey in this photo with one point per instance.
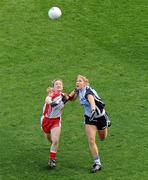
(96, 120)
(51, 118)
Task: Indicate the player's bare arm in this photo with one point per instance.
(91, 101)
(73, 95)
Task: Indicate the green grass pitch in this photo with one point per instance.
(105, 40)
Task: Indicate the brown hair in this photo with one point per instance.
(50, 89)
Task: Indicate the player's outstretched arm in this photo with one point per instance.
(65, 97)
(73, 95)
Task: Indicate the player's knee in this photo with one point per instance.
(91, 141)
(102, 137)
(103, 134)
(55, 142)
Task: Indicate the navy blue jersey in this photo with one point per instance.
(86, 105)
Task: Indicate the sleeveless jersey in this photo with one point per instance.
(86, 105)
(56, 111)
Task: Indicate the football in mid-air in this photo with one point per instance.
(54, 13)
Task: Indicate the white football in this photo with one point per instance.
(54, 13)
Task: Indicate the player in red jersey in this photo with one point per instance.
(51, 118)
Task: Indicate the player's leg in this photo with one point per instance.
(45, 128)
(55, 137)
(91, 134)
(102, 126)
(48, 137)
(102, 134)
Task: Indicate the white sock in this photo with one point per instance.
(97, 160)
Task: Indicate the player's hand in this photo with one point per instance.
(65, 97)
(92, 114)
(76, 91)
(73, 95)
(48, 100)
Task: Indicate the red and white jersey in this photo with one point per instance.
(56, 111)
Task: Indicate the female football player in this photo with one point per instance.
(51, 118)
(95, 118)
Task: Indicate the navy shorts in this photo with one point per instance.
(101, 122)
